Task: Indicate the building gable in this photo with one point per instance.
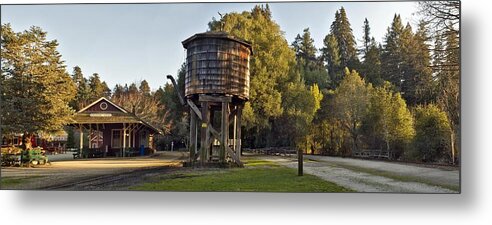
(102, 105)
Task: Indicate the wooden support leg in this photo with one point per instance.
(238, 132)
(224, 131)
(234, 130)
(204, 134)
(192, 136)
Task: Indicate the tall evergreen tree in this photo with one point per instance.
(83, 92)
(144, 87)
(36, 89)
(310, 67)
(97, 88)
(425, 85)
(366, 37)
(371, 66)
(107, 90)
(341, 30)
(391, 57)
(331, 57)
(448, 75)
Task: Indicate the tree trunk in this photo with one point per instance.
(26, 141)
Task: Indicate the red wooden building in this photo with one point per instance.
(112, 130)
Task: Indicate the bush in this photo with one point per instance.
(433, 134)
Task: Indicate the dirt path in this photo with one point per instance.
(94, 174)
(376, 176)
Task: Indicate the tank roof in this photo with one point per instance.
(216, 34)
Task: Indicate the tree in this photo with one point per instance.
(83, 91)
(331, 57)
(391, 57)
(448, 93)
(146, 107)
(371, 66)
(300, 105)
(432, 133)
(144, 87)
(98, 89)
(366, 38)
(371, 55)
(36, 89)
(389, 119)
(309, 66)
(341, 30)
(406, 62)
(425, 85)
(271, 66)
(118, 90)
(443, 16)
(350, 104)
(178, 119)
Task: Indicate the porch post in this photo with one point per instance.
(81, 141)
(124, 141)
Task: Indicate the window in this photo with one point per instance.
(116, 139)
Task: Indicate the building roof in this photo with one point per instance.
(92, 114)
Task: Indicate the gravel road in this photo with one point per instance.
(384, 176)
(94, 174)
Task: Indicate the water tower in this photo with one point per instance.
(216, 85)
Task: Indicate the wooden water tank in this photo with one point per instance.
(217, 63)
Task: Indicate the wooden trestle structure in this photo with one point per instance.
(228, 149)
(216, 83)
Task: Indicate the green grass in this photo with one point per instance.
(8, 182)
(257, 176)
(398, 177)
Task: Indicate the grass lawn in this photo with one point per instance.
(257, 176)
(13, 181)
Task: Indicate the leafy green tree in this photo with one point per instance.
(351, 102)
(36, 89)
(270, 66)
(389, 119)
(432, 140)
